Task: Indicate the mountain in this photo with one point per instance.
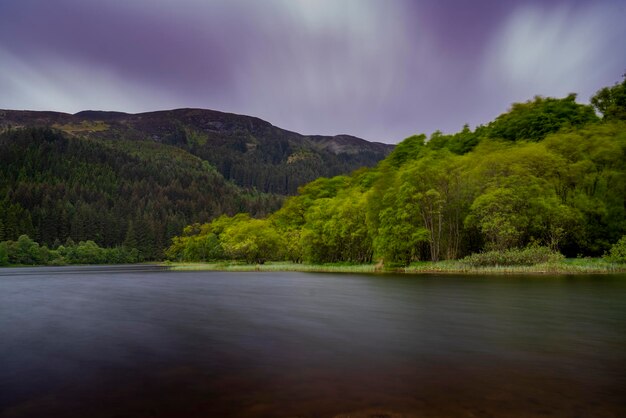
(139, 179)
(250, 151)
(55, 187)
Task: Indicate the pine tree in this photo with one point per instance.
(130, 241)
(145, 238)
(4, 254)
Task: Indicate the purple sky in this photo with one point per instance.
(378, 69)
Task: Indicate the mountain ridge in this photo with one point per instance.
(104, 115)
(246, 149)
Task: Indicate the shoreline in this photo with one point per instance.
(566, 267)
(572, 266)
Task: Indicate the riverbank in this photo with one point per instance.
(568, 266)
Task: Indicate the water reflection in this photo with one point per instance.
(155, 343)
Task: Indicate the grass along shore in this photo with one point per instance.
(567, 266)
(274, 266)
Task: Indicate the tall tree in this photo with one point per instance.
(611, 101)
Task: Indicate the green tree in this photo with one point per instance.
(204, 247)
(336, 229)
(254, 241)
(318, 240)
(611, 101)
(399, 235)
(542, 174)
(131, 237)
(617, 254)
(459, 143)
(87, 252)
(409, 149)
(293, 244)
(25, 251)
(499, 216)
(431, 187)
(592, 181)
(4, 254)
(535, 119)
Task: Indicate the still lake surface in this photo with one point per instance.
(138, 341)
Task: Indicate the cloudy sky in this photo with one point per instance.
(378, 69)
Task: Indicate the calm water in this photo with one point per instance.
(139, 342)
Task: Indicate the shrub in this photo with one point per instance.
(617, 254)
(24, 251)
(514, 257)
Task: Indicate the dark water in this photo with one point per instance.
(138, 342)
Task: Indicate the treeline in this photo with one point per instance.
(549, 173)
(26, 252)
(138, 194)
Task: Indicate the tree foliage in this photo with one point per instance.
(535, 119)
(617, 254)
(26, 251)
(4, 254)
(611, 101)
(547, 174)
(139, 194)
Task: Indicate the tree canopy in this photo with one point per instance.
(548, 172)
(611, 101)
(54, 186)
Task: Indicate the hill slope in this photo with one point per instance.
(247, 150)
(54, 186)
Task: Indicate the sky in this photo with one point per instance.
(378, 69)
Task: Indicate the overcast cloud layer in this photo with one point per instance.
(381, 70)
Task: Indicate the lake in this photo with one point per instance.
(140, 341)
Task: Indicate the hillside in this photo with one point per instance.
(251, 152)
(55, 187)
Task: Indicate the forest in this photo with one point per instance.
(547, 175)
(58, 190)
(131, 182)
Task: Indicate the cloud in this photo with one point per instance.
(381, 70)
(325, 60)
(48, 83)
(315, 66)
(555, 51)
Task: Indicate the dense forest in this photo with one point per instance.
(55, 187)
(132, 182)
(548, 173)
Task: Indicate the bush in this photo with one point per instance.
(57, 260)
(88, 252)
(24, 251)
(528, 256)
(617, 254)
